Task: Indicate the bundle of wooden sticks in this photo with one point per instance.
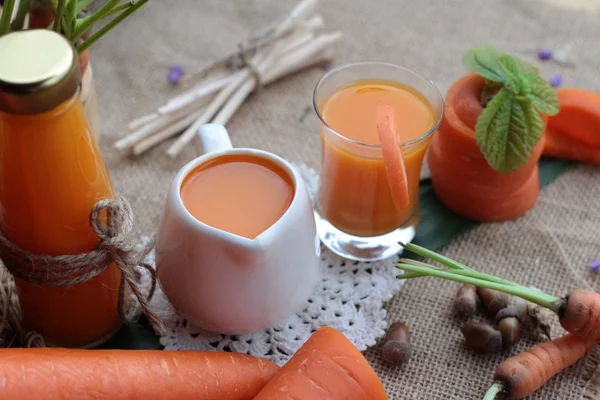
(217, 91)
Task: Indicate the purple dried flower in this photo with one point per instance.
(175, 74)
(545, 54)
(177, 68)
(595, 266)
(556, 80)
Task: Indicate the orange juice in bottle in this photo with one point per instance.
(51, 176)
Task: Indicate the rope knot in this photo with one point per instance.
(112, 221)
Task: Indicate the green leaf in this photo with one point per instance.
(543, 95)
(492, 123)
(498, 66)
(524, 67)
(484, 60)
(507, 130)
(516, 82)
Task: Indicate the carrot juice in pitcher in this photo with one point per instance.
(358, 217)
(238, 193)
(236, 248)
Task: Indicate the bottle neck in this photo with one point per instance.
(73, 104)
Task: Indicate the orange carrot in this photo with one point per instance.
(64, 374)
(392, 156)
(326, 367)
(523, 374)
(563, 146)
(579, 314)
(579, 116)
(572, 134)
(460, 173)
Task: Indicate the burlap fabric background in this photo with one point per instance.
(550, 248)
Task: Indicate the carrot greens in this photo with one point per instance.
(7, 11)
(458, 272)
(494, 390)
(70, 19)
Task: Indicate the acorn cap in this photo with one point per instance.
(38, 72)
(508, 312)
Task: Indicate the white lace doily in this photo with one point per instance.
(349, 297)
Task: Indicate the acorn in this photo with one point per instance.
(509, 325)
(482, 337)
(465, 301)
(397, 349)
(492, 300)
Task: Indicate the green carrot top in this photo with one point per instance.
(69, 19)
(511, 124)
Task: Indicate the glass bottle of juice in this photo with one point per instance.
(51, 176)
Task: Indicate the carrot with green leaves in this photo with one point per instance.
(487, 147)
(578, 312)
(69, 374)
(523, 374)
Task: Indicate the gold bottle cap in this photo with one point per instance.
(39, 70)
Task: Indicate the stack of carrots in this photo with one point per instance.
(498, 121)
(462, 178)
(574, 133)
(461, 175)
(327, 366)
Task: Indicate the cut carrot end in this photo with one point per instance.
(579, 116)
(392, 155)
(572, 134)
(561, 145)
(328, 366)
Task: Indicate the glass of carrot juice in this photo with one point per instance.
(356, 215)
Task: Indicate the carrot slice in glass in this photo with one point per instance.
(392, 155)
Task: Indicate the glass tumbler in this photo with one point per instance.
(356, 216)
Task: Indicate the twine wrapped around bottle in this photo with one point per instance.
(115, 246)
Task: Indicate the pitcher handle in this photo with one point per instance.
(212, 138)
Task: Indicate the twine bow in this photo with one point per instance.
(115, 246)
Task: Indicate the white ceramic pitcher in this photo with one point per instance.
(231, 284)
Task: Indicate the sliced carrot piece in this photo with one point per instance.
(579, 116)
(327, 367)
(392, 155)
(560, 145)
